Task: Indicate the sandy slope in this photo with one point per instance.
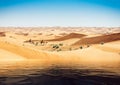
(23, 51)
(91, 54)
(7, 56)
(113, 47)
(12, 45)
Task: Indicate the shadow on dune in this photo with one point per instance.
(69, 36)
(2, 34)
(56, 76)
(99, 39)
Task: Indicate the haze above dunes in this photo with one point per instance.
(60, 43)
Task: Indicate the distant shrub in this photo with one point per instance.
(29, 40)
(102, 43)
(61, 44)
(42, 42)
(70, 49)
(81, 47)
(55, 46)
(88, 45)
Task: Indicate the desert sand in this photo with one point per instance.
(79, 44)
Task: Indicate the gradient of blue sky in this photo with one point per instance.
(60, 13)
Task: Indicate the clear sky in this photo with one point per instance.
(60, 13)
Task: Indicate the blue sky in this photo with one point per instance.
(88, 13)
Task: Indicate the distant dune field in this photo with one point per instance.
(73, 44)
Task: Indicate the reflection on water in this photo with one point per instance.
(59, 73)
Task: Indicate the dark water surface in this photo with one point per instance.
(56, 73)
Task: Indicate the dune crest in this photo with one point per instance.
(69, 36)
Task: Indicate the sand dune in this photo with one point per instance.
(109, 47)
(23, 51)
(59, 38)
(69, 36)
(99, 39)
(91, 54)
(7, 56)
(2, 34)
(15, 46)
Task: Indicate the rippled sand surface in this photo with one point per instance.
(59, 73)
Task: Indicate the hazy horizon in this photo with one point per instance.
(60, 26)
(62, 13)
